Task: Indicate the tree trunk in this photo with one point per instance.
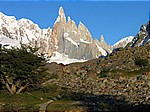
(20, 89)
(8, 88)
(13, 88)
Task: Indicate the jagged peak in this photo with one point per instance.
(81, 25)
(61, 11)
(61, 17)
(69, 19)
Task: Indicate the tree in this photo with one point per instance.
(20, 69)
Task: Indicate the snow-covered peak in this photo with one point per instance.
(27, 23)
(24, 30)
(123, 42)
(24, 20)
(7, 19)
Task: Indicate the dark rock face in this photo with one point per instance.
(142, 37)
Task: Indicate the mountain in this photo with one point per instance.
(76, 41)
(123, 42)
(26, 32)
(65, 38)
(142, 37)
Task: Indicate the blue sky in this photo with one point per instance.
(113, 19)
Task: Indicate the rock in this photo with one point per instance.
(142, 37)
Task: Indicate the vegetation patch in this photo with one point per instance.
(65, 105)
(29, 100)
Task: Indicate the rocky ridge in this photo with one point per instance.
(142, 37)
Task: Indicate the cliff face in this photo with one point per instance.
(65, 37)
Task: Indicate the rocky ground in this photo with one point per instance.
(103, 93)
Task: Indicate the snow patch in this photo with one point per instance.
(73, 42)
(83, 41)
(104, 53)
(61, 58)
(9, 42)
(69, 18)
(66, 34)
(75, 32)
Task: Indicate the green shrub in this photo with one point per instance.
(141, 62)
(103, 75)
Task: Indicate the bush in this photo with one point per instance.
(141, 62)
(103, 75)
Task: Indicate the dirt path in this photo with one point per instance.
(44, 105)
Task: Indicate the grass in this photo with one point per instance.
(28, 100)
(65, 105)
(22, 101)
